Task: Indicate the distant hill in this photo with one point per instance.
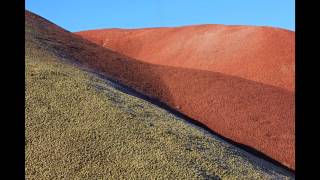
(254, 114)
(261, 54)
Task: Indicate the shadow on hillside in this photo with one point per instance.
(155, 101)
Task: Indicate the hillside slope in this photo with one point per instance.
(78, 126)
(262, 54)
(247, 112)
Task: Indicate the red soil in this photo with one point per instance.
(261, 54)
(255, 114)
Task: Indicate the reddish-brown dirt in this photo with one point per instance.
(251, 113)
(262, 54)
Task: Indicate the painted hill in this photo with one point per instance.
(262, 54)
(247, 112)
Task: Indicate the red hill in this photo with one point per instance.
(262, 54)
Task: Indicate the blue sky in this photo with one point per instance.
(77, 15)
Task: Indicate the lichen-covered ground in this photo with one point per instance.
(79, 127)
